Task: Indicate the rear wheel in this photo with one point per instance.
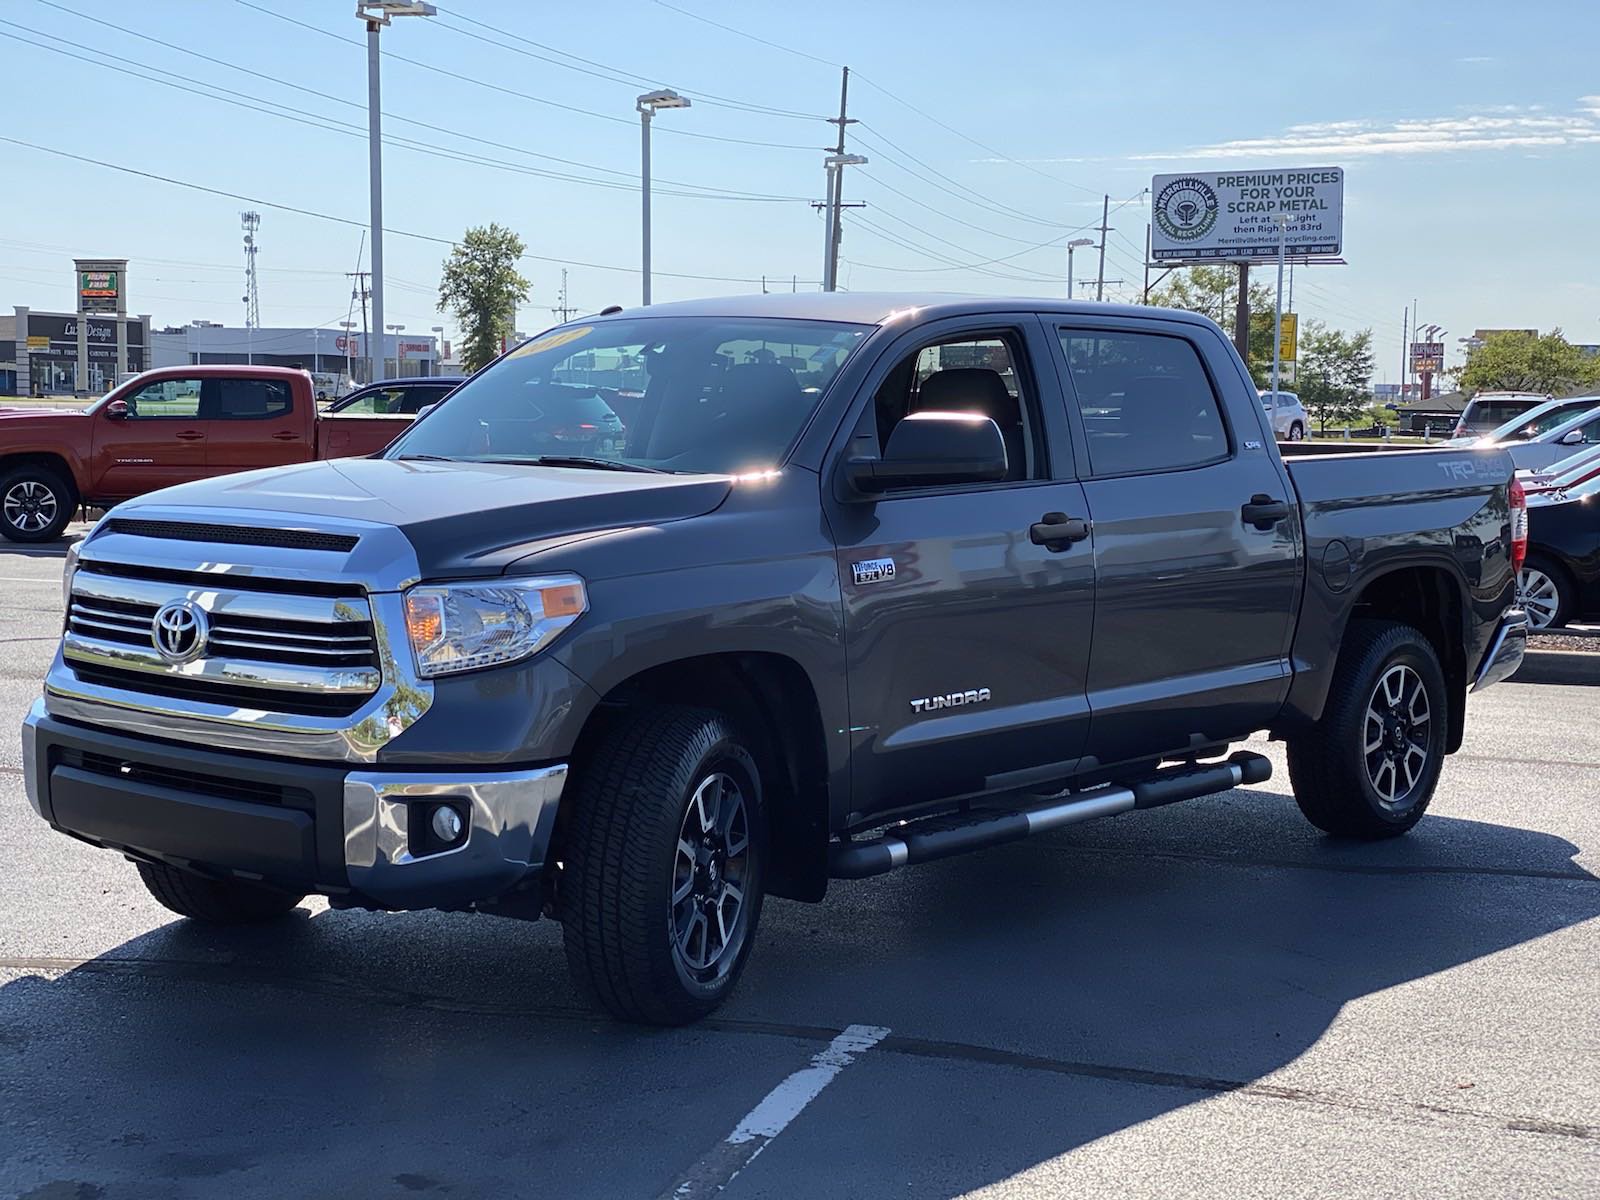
(1544, 593)
(1297, 432)
(1369, 767)
(217, 901)
(664, 866)
(35, 504)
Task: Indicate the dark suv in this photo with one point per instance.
(397, 397)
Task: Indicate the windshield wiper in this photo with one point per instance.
(425, 458)
(578, 460)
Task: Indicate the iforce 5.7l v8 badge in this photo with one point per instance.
(873, 570)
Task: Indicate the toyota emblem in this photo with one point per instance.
(178, 631)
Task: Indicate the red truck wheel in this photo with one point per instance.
(35, 504)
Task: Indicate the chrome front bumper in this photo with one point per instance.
(357, 836)
(1505, 652)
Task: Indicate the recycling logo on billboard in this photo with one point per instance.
(1186, 209)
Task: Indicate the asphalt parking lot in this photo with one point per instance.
(1206, 1000)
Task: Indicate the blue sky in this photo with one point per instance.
(1470, 135)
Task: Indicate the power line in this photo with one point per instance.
(674, 131)
(322, 216)
(335, 125)
(750, 36)
(616, 74)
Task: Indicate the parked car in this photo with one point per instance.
(1489, 410)
(1560, 579)
(986, 568)
(1546, 434)
(1564, 475)
(165, 427)
(397, 397)
(1287, 414)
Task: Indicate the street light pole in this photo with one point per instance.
(399, 351)
(1277, 314)
(438, 346)
(648, 105)
(377, 14)
(1071, 246)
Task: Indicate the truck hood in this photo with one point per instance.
(462, 518)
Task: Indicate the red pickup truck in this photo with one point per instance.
(165, 427)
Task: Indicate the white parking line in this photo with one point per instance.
(770, 1117)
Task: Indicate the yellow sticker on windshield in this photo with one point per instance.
(550, 341)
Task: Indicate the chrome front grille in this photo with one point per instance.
(268, 650)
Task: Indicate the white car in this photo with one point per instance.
(1549, 433)
(1288, 415)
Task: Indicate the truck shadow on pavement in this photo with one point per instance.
(1040, 996)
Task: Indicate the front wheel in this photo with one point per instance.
(216, 901)
(1369, 767)
(664, 865)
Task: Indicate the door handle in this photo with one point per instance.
(191, 435)
(1056, 531)
(1263, 511)
(285, 436)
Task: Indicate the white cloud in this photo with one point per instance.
(1500, 128)
(1476, 58)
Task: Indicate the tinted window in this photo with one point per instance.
(248, 399)
(970, 375)
(1146, 401)
(167, 398)
(1487, 414)
(699, 394)
(418, 398)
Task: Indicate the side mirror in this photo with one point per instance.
(117, 410)
(930, 449)
(1572, 437)
(426, 409)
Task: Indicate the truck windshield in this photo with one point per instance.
(718, 395)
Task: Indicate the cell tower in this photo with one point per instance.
(250, 222)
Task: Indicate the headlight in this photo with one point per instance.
(67, 572)
(461, 627)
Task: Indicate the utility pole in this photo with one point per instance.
(1100, 275)
(835, 164)
(359, 291)
(1241, 315)
(250, 222)
(1144, 296)
(563, 309)
(1405, 353)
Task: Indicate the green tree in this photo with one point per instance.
(481, 287)
(1334, 377)
(1521, 362)
(1214, 291)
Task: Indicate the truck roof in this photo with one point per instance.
(876, 308)
(231, 370)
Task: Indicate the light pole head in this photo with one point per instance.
(653, 102)
(1076, 242)
(378, 12)
(845, 160)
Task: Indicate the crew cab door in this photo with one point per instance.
(967, 640)
(158, 441)
(254, 422)
(1196, 537)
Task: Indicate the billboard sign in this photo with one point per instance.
(1427, 357)
(1232, 216)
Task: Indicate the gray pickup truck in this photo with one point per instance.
(851, 582)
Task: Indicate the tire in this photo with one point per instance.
(35, 504)
(629, 893)
(1297, 432)
(215, 901)
(1545, 592)
(1337, 768)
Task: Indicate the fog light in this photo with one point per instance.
(446, 823)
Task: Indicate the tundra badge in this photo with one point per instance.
(873, 570)
(951, 700)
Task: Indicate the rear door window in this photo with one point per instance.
(246, 400)
(1146, 401)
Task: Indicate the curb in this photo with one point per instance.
(1558, 666)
